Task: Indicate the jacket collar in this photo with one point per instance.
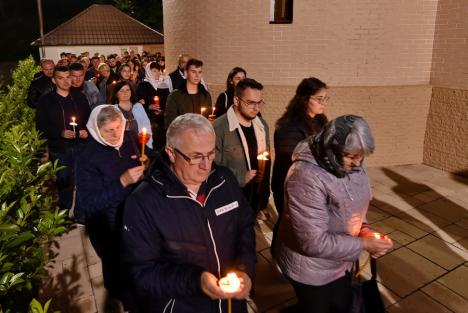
(234, 122)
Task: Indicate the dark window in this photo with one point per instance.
(281, 11)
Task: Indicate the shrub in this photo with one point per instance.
(29, 217)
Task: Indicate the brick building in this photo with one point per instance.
(400, 64)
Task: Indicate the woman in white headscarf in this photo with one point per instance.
(106, 172)
(154, 85)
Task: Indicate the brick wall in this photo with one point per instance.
(344, 42)
(396, 114)
(446, 141)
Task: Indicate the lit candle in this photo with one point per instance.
(229, 284)
(202, 110)
(73, 123)
(156, 100)
(143, 138)
(213, 110)
(114, 82)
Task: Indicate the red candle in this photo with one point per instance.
(143, 137)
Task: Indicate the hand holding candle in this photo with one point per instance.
(262, 159)
(74, 124)
(229, 283)
(376, 243)
(212, 116)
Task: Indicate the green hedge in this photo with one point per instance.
(29, 216)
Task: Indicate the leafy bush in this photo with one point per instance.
(29, 217)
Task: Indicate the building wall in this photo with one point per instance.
(446, 140)
(355, 46)
(344, 42)
(396, 114)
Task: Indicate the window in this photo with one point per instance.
(281, 11)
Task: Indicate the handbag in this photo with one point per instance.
(366, 296)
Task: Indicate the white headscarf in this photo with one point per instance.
(94, 130)
(164, 82)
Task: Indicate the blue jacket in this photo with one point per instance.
(170, 239)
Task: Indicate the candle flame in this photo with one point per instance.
(113, 82)
(377, 235)
(202, 110)
(143, 130)
(73, 119)
(263, 156)
(230, 283)
(156, 98)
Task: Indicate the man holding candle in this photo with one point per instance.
(187, 225)
(243, 143)
(58, 114)
(191, 97)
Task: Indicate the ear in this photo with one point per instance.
(53, 80)
(236, 101)
(170, 153)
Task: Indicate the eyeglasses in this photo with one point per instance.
(252, 104)
(196, 159)
(321, 100)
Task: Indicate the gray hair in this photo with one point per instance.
(187, 121)
(360, 139)
(107, 114)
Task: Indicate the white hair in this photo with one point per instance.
(360, 139)
(186, 121)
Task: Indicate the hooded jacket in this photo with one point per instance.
(170, 239)
(322, 217)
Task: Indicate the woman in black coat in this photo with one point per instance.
(226, 98)
(303, 117)
(106, 172)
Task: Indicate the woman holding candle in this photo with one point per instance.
(125, 99)
(155, 85)
(106, 172)
(226, 98)
(327, 194)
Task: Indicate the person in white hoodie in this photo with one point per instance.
(106, 172)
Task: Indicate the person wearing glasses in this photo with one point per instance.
(323, 226)
(243, 144)
(304, 117)
(187, 225)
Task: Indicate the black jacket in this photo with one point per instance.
(40, 86)
(170, 238)
(178, 81)
(52, 120)
(286, 137)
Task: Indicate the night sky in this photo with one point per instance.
(19, 21)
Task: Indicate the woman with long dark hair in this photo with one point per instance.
(226, 98)
(304, 117)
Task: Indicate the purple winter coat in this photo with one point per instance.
(323, 214)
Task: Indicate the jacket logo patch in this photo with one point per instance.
(226, 208)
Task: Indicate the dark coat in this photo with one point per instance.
(51, 119)
(179, 102)
(40, 86)
(286, 137)
(170, 238)
(224, 102)
(100, 201)
(178, 81)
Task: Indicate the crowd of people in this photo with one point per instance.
(169, 184)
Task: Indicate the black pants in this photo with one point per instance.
(334, 297)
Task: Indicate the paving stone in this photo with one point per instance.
(270, 288)
(403, 271)
(418, 303)
(375, 215)
(401, 237)
(391, 224)
(428, 196)
(457, 280)
(462, 244)
(451, 233)
(442, 294)
(423, 220)
(448, 208)
(440, 252)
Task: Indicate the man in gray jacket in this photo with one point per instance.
(243, 144)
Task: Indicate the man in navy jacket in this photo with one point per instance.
(187, 225)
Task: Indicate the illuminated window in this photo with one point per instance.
(281, 11)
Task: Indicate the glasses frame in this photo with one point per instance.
(321, 100)
(260, 104)
(191, 160)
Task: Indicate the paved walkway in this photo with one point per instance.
(424, 210)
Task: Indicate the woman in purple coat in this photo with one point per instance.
(327, 193)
